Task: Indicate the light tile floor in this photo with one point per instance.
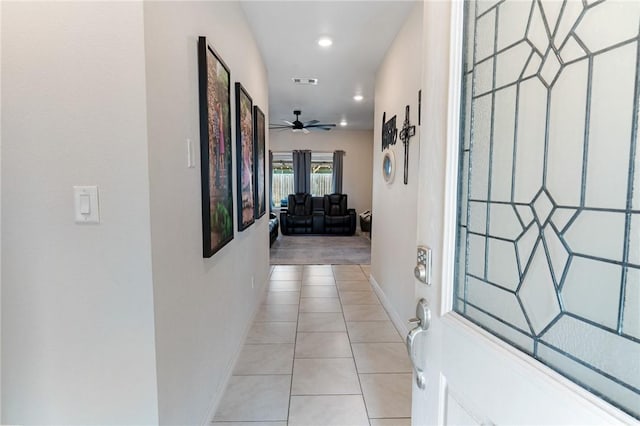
(322, 351)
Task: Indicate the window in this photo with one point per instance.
(321, 173)
(547, 218)
(282, 178)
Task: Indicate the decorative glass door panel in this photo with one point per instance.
(549, 219)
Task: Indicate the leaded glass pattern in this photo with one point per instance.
(549, 217)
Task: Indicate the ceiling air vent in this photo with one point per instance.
(307, 81)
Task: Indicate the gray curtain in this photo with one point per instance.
(338, 157)
(302, 171)
(270, 180)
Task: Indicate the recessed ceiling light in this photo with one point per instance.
(358, 98)
(325, 42)
(343, 123)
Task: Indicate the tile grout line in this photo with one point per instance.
(366, 409)
(327, 394)
(266, 374)
(368, 321)
(296, 341)
(374, 373)
(261, 374)
(333, 357)
(351, 342)
(293, 360)
(377, 373)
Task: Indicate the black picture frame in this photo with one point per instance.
(259, 162)
(244, 158)
(419, 107)
(216, 179)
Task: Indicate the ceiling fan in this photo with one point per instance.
(299, 126)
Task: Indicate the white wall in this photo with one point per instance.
(77, 302)
(203, 306)
(358, 147)
(393, 242)
(0, 217)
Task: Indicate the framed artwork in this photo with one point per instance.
(259, 162)
(215, 149)
(389, 132)
(244, 158)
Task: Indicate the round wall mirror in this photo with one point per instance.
(388, 166)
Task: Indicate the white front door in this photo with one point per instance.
(472, 376)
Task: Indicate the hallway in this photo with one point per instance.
(321, 351)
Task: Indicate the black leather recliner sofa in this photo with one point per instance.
(317, 215)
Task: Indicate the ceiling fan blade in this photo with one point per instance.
(279, 126)
(316, 128)
(288, 123)
(309, 123)
(305, 131)
(321, 125)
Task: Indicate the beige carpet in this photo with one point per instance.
(321, 250)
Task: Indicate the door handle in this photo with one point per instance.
(423, 321)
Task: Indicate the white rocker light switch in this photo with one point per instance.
(87, 209)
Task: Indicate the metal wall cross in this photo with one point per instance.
(405, 134)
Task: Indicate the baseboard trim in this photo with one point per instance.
(399, 323)
(213, 407)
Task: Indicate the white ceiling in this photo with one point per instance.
(287, 33)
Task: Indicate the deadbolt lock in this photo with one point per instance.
(422, 271)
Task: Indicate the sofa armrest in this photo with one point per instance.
(352, 221)
(284, 227)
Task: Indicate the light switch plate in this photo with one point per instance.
(86, 207)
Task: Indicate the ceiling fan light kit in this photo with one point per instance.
(299, 126)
